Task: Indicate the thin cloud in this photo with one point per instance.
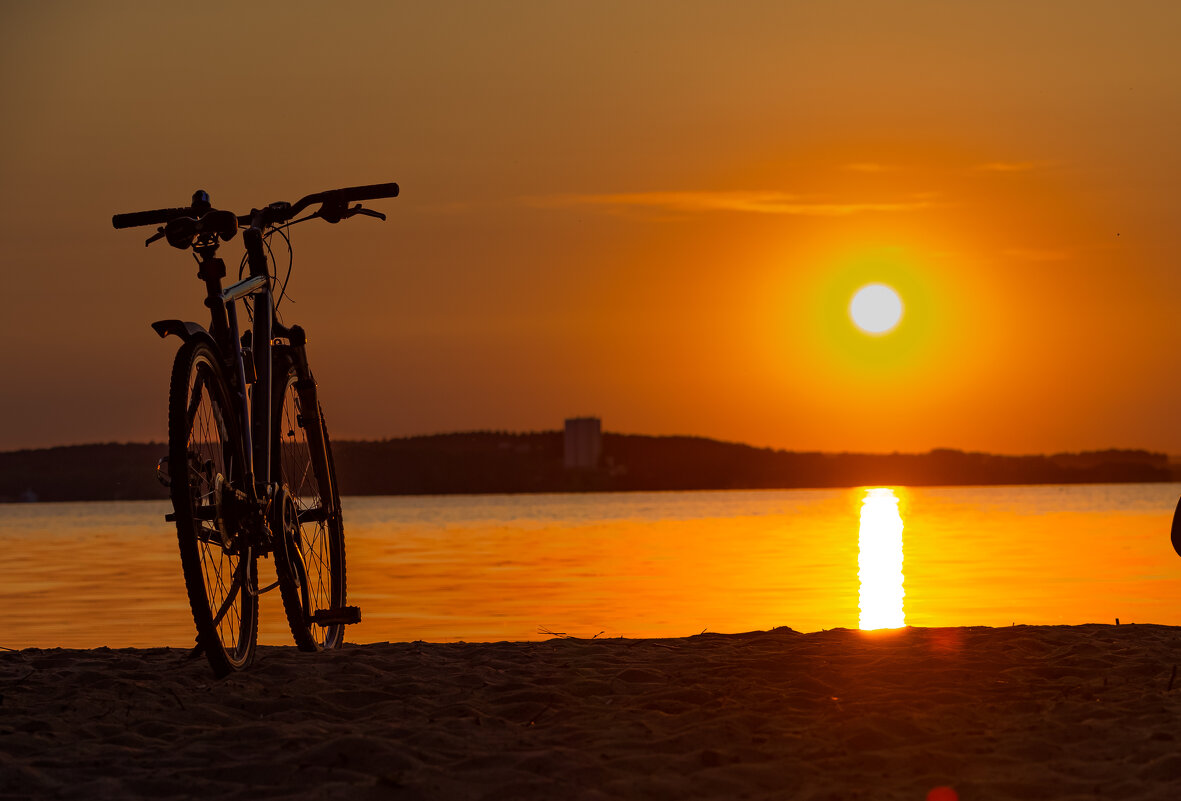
(742, 201)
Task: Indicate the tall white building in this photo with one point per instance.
(584, 443)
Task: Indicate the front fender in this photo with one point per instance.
(188, 331)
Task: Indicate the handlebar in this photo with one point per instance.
(154, 217)
(334, 205)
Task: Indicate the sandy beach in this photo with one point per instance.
(1064, 712)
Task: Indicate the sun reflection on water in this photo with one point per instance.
(879, 561)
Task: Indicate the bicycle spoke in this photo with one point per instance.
(232, 593)
(196, 393)
(209, 535)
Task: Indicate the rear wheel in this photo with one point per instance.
(309, 557)
(205, 458)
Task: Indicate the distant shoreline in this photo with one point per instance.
(488, 462)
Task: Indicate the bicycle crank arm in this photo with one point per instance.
(344, 616)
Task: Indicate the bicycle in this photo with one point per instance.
(249, 465)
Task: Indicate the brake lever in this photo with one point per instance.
(357, 209)
(158, 235)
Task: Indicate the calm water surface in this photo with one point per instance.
(480, 568)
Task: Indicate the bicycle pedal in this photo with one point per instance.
(344, 616)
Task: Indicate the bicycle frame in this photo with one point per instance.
(254, 408)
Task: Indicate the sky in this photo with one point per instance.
(651, 212)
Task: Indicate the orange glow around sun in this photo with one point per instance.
(872, 313)
(877, 387)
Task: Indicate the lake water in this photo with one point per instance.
(520, 567)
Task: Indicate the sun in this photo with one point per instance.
(876, 309)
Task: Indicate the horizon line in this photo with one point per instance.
(1171, 457)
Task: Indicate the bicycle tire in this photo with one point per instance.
(310, 548)
(206, 452)
(1175, 532)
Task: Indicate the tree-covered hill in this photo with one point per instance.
(499, 462)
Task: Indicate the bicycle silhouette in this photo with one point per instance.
(249, 465)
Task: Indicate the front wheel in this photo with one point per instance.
(206, 457)
(309, 555)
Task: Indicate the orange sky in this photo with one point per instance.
(651, 212)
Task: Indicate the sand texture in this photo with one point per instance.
(1028, 712)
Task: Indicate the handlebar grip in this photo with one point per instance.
(153, 217)
(371, 192)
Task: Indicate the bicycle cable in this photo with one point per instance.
(272, 268)
(290, 262)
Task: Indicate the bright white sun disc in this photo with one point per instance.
(875, 308)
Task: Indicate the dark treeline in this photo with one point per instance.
(496, 462)
(107, 472)
(693, 463)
